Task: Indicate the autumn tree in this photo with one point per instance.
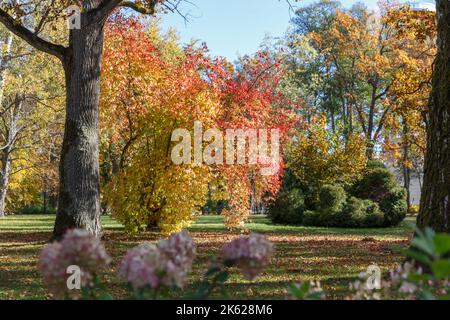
(317, 157)
(405, 131)
(31, 97)
(435, 204)
(366, 56)
(156, 92)
(161, 88)
(80, 52)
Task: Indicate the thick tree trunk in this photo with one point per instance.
(79, 192)
(435, 201)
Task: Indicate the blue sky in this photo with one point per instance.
(230, 27)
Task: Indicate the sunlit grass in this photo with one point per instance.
(334, 256)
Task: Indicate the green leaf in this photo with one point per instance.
(419, 257)
(415, 277)
(305, 286)
(426, 295)
(441, 268)
(423, 245)
(429, 233)
(442, 243)
(315, 295)
(293, 290)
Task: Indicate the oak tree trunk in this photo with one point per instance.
(435, 201)
(79, 191)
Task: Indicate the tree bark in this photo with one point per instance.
(10, 120)
(4, 179)
(4, 61)
(79, 191)
(371, 123)
(5, 169)
(405, 165)
(435, 201)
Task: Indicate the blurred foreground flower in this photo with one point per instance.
(77, 248)
(250, 254)
(166, 264)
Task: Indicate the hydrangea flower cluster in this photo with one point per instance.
(250, 254)
(165, 264)
(77, 248)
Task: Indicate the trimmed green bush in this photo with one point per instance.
(361, 213)
(332, 198)
(288, 208)
(312, 218)
(380, 186)
(374, 215)
(374, 201)
(336, 210)
(332, 201)
(394, 207)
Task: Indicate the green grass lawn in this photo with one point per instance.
(333, 256)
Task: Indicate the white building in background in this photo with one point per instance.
(419, 6)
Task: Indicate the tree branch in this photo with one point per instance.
(103, 10)
(141, 9)
(32, 39)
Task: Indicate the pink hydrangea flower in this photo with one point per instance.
(141, 266)
(165, 264)
(250, 254)
(180, 250)
(77, 248)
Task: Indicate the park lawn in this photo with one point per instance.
(333, 256)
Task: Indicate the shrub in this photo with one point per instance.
(288, 208)
(37, 209)
(374, 215)
(336, 210)
(375, 185)
(394, 207)
(332, 198)
(312, 218)
(380, 186)
(361, 213)
(332, 201)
